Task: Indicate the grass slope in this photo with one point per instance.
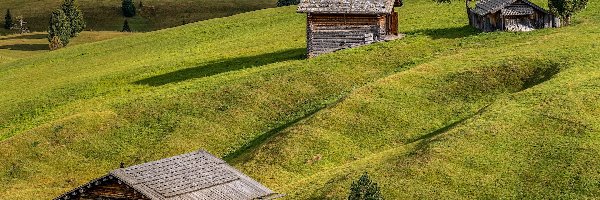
(445, 112)
(105, 15)
(20, 46)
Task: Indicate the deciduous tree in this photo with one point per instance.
(566, 8)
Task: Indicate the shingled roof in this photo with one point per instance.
(484, 7)
(346, 6)
(197, 175)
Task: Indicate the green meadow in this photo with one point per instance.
(106, 15)
(446, 112)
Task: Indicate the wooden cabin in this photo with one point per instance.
(509, 15)
(338, 24)
(197, 175)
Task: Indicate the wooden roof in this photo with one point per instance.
(346, 6)
(484, 7)
(197, 175)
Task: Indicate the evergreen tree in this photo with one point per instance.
(566, 8)
(128, 8)
(8, 20)
(364, 189)
(74, 15)
(287, 2)
(126, 27)
(59, 27)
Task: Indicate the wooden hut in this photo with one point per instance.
(509, 15)
(197, 175)
(338, 24)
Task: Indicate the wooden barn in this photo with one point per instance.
(338, 24)
(509, 15)
(197, 175)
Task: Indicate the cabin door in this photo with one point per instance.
(392, 23)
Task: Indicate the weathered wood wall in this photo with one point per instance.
(111, 190)
(498, 22)
(328, 33)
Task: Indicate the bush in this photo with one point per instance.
(566, 8)
(55, 43)
(74, 15)
(364, 189)
(126, 27)
(59, 27)
(128, 8)
(287, 2)
(8, 21)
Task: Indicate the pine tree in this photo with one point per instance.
(74, 15)
(128, 8)
(287, 2)
(126, 27)
(8, 20)
(364, 189)
(59, 27)
(566, 8)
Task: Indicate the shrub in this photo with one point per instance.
(74, 15)
(59, 27)
(364, 189)
(566, 8)
(287, 2)
(55, 43)
(128, 8)
(8, 21)
(126, 27)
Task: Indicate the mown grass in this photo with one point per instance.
(446, 112)
(105, 15)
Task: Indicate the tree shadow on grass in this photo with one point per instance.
(223, 66)
(28, 36)
(447, 33)
(25, 47)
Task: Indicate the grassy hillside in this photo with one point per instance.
(105, 15)
(19, 46)
(446, 112)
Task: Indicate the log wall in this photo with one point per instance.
(328, 32)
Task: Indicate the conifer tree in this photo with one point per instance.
(126, 26)
(8, 20)
(59, 27)
(74, 15)
(364, 189)
(566, 8)
(128, 8)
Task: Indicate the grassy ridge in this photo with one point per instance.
(105, 15)
(431, 115)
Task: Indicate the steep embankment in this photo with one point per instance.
(445, 111)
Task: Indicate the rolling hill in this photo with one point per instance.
(445, 112)
(105, 15)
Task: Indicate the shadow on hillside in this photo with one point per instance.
(30, 37)
(223, 66)
(447, 33)
(26, 47)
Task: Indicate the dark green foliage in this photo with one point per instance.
(126, 27)
(74, 15)
(60, 27)
(8, 22)
(364, 189)
(141, 5)
(566, 8)
(287, 2)
(128, 8)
